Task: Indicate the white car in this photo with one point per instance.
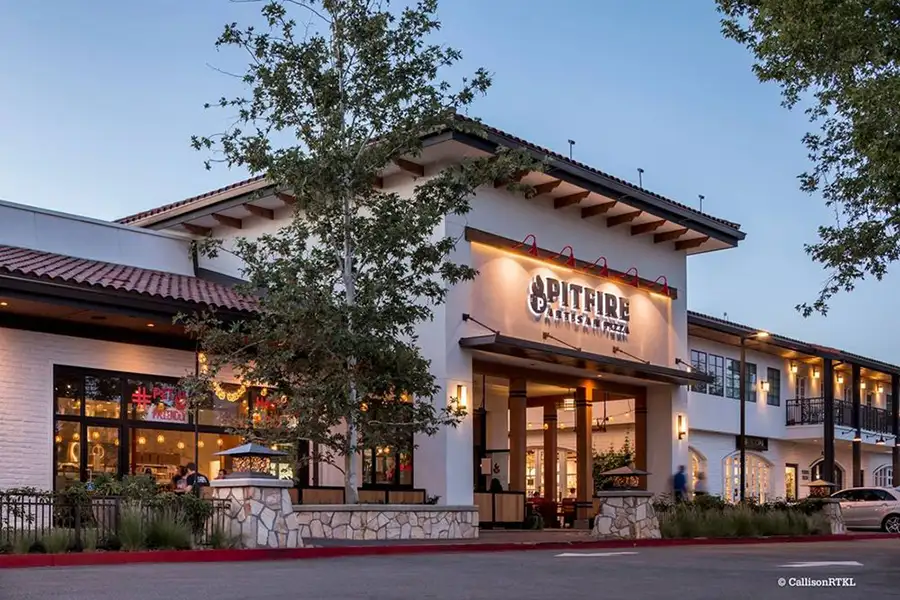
(870, 508)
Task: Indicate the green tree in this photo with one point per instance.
(610, 459)
(839, 59)
(345, 284)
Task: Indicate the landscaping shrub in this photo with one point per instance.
(223, 540)
(57, 541)
(168, 530)
(688, 520)
(130, 532)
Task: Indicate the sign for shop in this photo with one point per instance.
(160, 404)
(561, 301)
(755, 444)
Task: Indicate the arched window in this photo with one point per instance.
(816, 473)
(884, 476)
(698, 465)
(757, 482)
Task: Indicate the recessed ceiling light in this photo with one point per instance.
(3, 304)
(150, 325)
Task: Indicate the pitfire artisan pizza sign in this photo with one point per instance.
(560, 301)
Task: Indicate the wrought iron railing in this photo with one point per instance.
(76, 523)
(811, 411)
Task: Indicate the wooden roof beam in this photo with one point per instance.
(647, 227)
(228, 221)
(564, 201)
(623, 218)
(692, 243)
(598, 209)
(196, 229)
(669, 236)
(259, 211)
(545, 188)
(287, 198)
(410, 167)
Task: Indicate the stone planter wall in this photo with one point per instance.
(626, 515)
(261, 512)
(387, 522)
(832, 511)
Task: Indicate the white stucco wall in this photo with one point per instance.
(92, 239)
(26, 392)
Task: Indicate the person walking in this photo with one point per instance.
(679, 484)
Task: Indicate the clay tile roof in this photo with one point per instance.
(97, 274)
(192, 199)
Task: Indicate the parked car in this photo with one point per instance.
(870, 508)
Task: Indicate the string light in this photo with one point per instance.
(220, 392)
(201, 444)
(180, 445)
(160, 439)
(142, 440)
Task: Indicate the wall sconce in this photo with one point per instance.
(682, 430)
(840, 379)
(880, 388)
(794, 368)
(462, 397)
(570, 260)
(764, 386)
(533, 250)
(816, 373)
(862, 385)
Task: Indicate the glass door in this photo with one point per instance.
(790, 482)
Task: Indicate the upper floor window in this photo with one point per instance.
(698, 364)
(716, 368)
(802, 386)
(773, 397)
(732, 378)
(751, 382)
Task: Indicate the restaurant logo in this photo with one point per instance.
(161, 404)
(560, 301)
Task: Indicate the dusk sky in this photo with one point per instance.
(100, 97)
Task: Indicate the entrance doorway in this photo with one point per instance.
(790, 482)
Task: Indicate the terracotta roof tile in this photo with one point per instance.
(97, 274)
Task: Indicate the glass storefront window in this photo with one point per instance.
(67, 442)
(210, 443)
(406, 469)
(68, 395)
(222, 412)
(102, 396)
(103, 450)
(158, 401)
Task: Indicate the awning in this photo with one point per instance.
(570, 357)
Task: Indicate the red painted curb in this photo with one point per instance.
(21, 561)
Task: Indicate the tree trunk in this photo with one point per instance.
(351, 458)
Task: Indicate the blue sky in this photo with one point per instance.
(100, 97)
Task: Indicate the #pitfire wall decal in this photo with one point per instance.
(560, 301)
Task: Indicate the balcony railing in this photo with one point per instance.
(811, 411)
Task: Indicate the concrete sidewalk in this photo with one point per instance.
(489, 536)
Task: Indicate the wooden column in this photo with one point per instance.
(640, 434)
(551, 453)
(827, 470)
(895, 426)
(584, 492)
(518, 431)
(857, 425)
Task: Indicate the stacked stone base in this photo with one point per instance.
(387, 522)
(626, 515)
(260, 512)
(832, 511)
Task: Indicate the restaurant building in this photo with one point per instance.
(574, 336)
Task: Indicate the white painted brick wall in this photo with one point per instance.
(26, 392)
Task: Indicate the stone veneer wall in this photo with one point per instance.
(261, 512)
(387, 522)
(626, 515)
(832, 511)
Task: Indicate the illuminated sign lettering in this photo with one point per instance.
(560, 301)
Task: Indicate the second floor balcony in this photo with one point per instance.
(811, 411)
